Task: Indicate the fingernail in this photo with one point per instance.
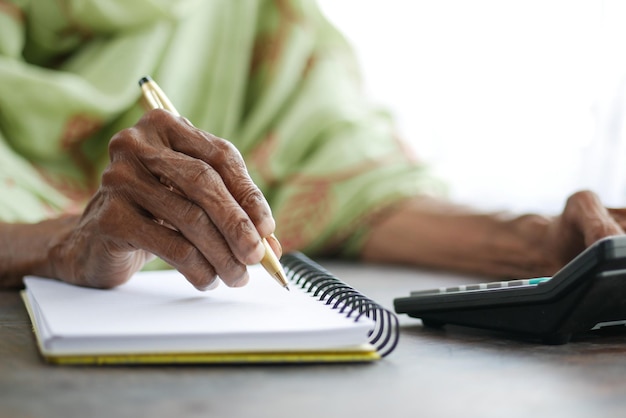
(242, 281)
(214, 284)
(276, 241)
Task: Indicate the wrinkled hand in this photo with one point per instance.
(173, 191)
(584, 220)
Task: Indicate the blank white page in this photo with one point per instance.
(161, 312)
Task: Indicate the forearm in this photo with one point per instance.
(26, 249)
(438, 234)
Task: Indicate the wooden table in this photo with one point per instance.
(455, 372)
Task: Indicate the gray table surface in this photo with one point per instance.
(450, 372)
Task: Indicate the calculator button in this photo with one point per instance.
(514, 283)
(483, 286)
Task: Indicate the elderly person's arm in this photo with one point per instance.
(439, 234)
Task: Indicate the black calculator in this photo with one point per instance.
(587, 294)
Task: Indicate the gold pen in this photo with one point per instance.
(155, 99)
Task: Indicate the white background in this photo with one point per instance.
(516, 104)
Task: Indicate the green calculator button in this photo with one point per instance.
(538, 280)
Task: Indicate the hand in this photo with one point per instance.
(173, 191)
(584, 220)
(534, 245)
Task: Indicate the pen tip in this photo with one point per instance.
(287, 287)
(144, 80)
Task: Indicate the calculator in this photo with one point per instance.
(587, 294)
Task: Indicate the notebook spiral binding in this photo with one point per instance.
(314, 279)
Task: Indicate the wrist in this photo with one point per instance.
(33, 249)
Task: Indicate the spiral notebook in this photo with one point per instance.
(158, 317)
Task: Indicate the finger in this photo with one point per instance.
(275, 244)
(586, 211)
(204, 186)
(224, 158)
(196, 227)
(174, 249)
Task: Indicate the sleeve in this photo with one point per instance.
(25, 196)
(330, 162)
